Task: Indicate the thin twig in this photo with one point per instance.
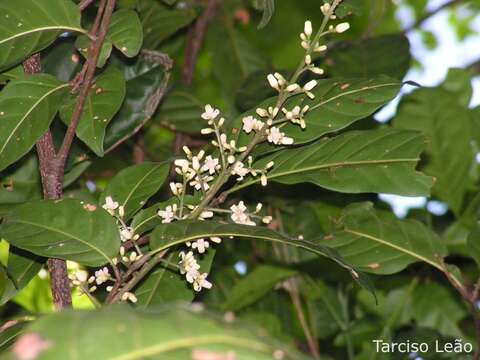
(92, 59)
(84, 4)
(195, 37)
(137, 277)
(429, 14)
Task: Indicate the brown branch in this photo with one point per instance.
(195, 37)
(52, 189)
(52, 164)
(429, 14)
(106, 8)
(471, 299)
(84, 4)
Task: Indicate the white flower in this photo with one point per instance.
(293, 87)
(110, 205)
(325, 8)
(261, 112)
(188, 264)
(250, 123)
(126, 234)
(240, 170)
(210, 113)
(317, 70)
(201, 281)
(340, 28)
(177, 188)
(168, 215)
(216, 239)
(275, 136)
(308, 28)
(263, 180)
(272, 80)
(102, 276)
(201, 245)
(239, 216)
(206, 214)
(310, 85)
(206, 131)
(129, 296)
(210, 164)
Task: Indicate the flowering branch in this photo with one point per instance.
(207, 174)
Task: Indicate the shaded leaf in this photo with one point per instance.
(181, 111)
(473, 244)
(27, 26)
(445, 121)
(27, 107)
(444, 316)
(21, 268)
(268, 8)
(255, 285)
(63, 229)
(133, 186)
(383, 55)
(160, 22)
(146, 80)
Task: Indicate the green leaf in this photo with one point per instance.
(445, 313)
(165, 285)
(22, 267)
(178, 232)
(27, 107)
(63, 229)
(103, 102)
(255, 285)
(147, 219)
(27, 26)
(234, 58)
(473, 244)
(268, 8)
(21, 182)
(133, 186)
(381, 161)
(146, 79)
(11, 333)
(337, 104)
(445, 121)
(181, 112)
(160, 22)
(125, 32)
(379, 243)
(382, 55)
(170, 332)
(82, 44)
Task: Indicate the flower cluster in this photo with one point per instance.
(201, 175)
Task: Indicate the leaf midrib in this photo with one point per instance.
(65, 234)
(40, 100)
(191, 342)
(45, 28)
(325, 166)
